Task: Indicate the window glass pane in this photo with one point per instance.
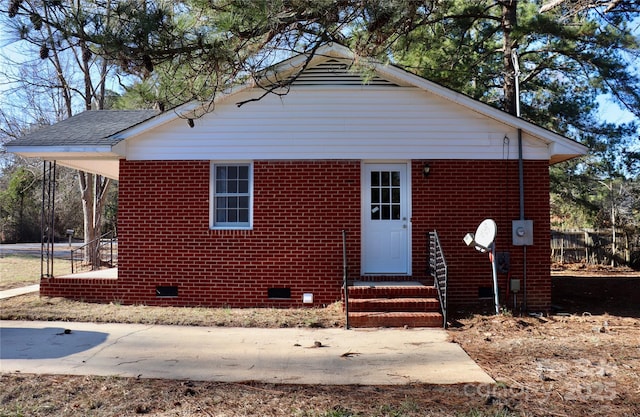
(221, 186)
(385, 178)
(243, 186)
(395, 212)
(375, 195)
(386, 213)
(243, 215)
(385, 195)
(395, 178)
(375, 212)
(375, 179)
(395, 195)
(231, 198)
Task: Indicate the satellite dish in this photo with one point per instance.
(486, 233)
(483, 241)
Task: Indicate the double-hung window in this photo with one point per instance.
(231, 189)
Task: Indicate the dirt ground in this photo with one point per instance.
(583, 361)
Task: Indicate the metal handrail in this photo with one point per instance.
(438, 269)
(106, 239)
(345, 278)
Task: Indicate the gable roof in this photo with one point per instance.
(88, 128)
(563, 147)
(97, 139)
(83, 141)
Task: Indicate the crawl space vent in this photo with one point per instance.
(279, 292)
(166, 291)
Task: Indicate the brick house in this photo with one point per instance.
(245, 205)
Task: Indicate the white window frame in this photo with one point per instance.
(212, 198)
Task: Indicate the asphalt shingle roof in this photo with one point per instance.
(87, 128)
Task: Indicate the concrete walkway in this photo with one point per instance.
(19, 291)
(297, 356)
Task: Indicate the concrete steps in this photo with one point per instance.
(393, 304)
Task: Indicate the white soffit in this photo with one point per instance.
(106, 168)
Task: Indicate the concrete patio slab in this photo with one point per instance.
(297, 356)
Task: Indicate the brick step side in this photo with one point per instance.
(395, 319)
(394, 304)
(392, 292)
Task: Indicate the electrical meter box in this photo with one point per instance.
(522, 232)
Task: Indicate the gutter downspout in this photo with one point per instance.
(524, 247)
(516, 66)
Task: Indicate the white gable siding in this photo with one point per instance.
(365, 122)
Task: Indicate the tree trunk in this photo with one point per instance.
(92, 186)
(91, 256)
(93, 189)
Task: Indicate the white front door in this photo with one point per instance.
(385, 220)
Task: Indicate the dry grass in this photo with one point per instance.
(574, 365)
(18, 271)
(21, 270)
(33, 307)
(62, 396)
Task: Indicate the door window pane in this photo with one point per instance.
(375, 195)
(385, 178)
(395, 212)
(395, 178)
(375, 179)
(385, 195)
(395, 195)
(386, 212)
(375, 212)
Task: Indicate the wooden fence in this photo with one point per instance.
(595, 247)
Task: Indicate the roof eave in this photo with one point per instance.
(564, 151)
(556, 159)
(79, 151)
(94, 159)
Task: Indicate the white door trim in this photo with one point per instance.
(365, 211)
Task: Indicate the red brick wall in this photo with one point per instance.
(300, 209)
(89, 290)
(456, 197)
